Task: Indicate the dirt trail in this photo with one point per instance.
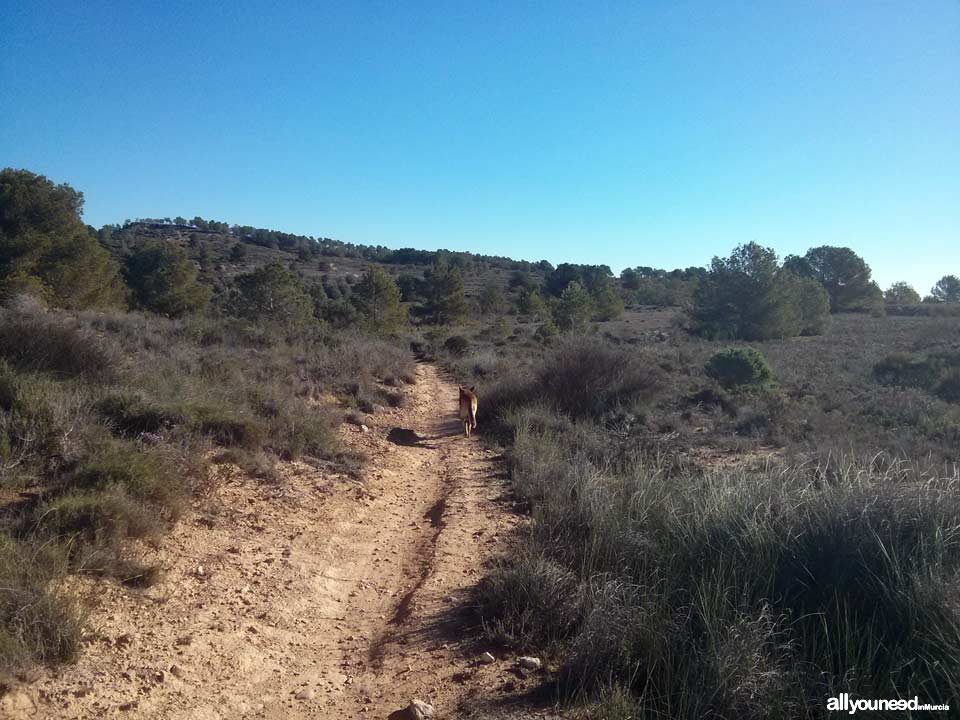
(316, 596)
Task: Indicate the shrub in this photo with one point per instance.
(739, 367)
(581, 378)
(131, 415)
(143, 475)
(546, 332)
(226, 426)
(905, 370)
(37, 625)
(531, 599)
(97, 518)
(457, 345)
(45, 344)
(948, 389)
(574, 309)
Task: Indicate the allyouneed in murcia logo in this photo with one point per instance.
(845, 703)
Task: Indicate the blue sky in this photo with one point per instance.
(634, 133)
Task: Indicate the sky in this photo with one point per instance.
(651, 132)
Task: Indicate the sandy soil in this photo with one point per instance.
(315, 596)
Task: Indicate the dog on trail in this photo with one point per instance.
(468, 410)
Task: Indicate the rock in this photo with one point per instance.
(486, 659)
(176, 671)
(419, 710)
(200, 572)
(305, 694)
(529, 663)
(364, 428)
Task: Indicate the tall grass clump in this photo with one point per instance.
(37, 624)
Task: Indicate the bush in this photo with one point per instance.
(37, 625)
(96, 518)
(131, 415)
(948, 389)
(532, 599)
(906, 370)
(143, 475)
(45, 344)
(227, 427)
(739, 367)
(546, 332)
(937, 372)
(457, 345)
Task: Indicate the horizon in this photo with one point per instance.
(612, 135)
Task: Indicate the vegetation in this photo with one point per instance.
(377, 299)
(901, 293)
(445, 302)
(716, 531)
(749, 296)
(47, 251)
(164, 280)
(273, 294)
(844, 275)
(947, 290)
(739, 367)
(666, 581)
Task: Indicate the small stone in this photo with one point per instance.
(306, 694)
(200, 571)
(159, 676)
(364, 428)
(419, 710)
(177, 671)
(486, 659)
(129, 705)
(529, 663)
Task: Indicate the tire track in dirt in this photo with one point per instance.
(317, 597)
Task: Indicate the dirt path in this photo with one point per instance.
(311, 597)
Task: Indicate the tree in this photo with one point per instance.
(748, 296)
(46, 249)
(630, 279)
(575, 307)
(608, 305)
(492, 299)
(377, 300)
(238, 253)
(901, 293)
(164, 280)
(947, 289)
(273, 294)
(530, 302)
(445, 303)
(808, 305)
(843, 273)
(411, 287)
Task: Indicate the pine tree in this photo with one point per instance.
(377, 300)
(445, 303)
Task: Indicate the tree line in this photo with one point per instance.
(47, 251)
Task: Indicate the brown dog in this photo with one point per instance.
(468, 410)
